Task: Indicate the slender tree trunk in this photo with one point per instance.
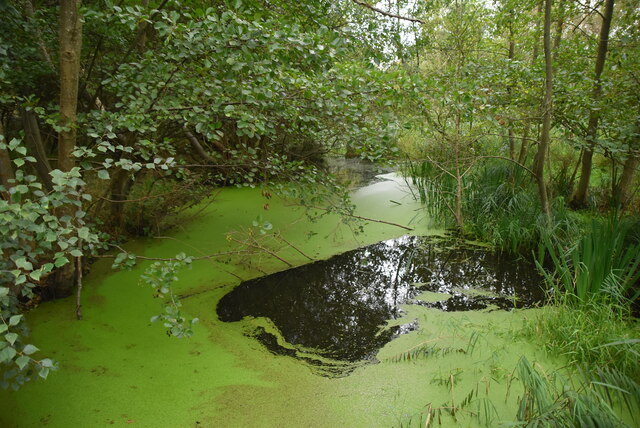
(31, 16)
(197, 147)
(575, 171)
(459, 183)
(120, 187)
(524, 145)
(70, 40)
(141, 39)
(560, 26)
(624, 188)
(78, 261)
(512, 141)
(6, 168)
(33, 141)
(547, 112)
(70, 47)
(579, 199)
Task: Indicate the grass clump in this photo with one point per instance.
(597, 335)
(553, 400)
(601, 267)
(593, 285)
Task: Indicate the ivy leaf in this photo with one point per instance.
(103, 174)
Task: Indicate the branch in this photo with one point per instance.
(362, 218)
(510, 160)
(169, 259)
(122, 201)
(389, 14)
(256, 245)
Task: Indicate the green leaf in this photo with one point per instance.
(60, 261)
(15, 320)
(22, 361)
(47, 362)
(83, 233)
(29, 349)
(43, 373)
(103, 174)
(23, 263)
(7, 354)
(11, 337)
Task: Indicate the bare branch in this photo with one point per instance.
(389, 14)
(363, 218)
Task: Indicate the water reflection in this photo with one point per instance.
(339, 305)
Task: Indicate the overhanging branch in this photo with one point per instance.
(389, 14)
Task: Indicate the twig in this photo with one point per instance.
(279, 236)
(79, 285)
(362, 218)
(170, 259)
(201, 252)
(389, 14)
(143, 198)
(260, 247)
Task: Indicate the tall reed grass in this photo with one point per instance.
(600, 266)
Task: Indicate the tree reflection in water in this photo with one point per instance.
(339, 305)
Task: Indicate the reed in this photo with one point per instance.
(599, 266)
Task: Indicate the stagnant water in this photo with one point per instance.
(339, 306)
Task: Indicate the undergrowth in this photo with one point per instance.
(553, 400)
(597, 335)
(500, 205)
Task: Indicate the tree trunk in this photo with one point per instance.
(579, 199)
(197, 147)
(31, 16)
(70, 40)
(623, 191)
(560, 26)
(70, 47)
(547, 112)
(6, 168)
(33, 141)
(524, 145)
(120, 187)
(512, 141)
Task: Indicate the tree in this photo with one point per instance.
(70, 54)
(547, 106)
(579, 199)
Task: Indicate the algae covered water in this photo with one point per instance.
(338, 306)
(117, 368)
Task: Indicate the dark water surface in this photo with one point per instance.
(339, 305)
